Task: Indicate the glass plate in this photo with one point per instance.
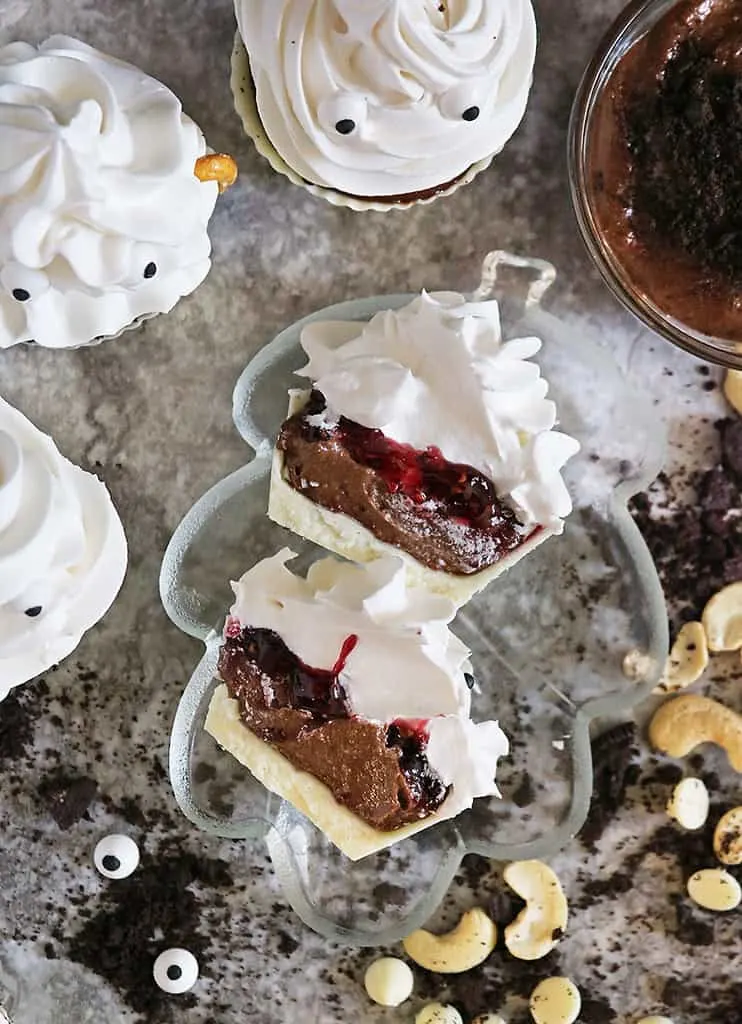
(548, 638)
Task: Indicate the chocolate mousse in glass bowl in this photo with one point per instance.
(655, 151)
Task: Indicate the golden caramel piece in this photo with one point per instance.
(218, 167)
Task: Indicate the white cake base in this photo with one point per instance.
(344, 536)
(308, 795)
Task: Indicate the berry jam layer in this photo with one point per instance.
(379, 772)
(446, 515)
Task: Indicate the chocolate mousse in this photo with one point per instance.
(665, 166)
(378, 771)
(446, 515)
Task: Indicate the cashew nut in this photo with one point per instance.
(722, 619)
(687, 660)
(555, 1001)
(715, 889)
(467, 946)
(679, 725)
(689, 804)
(218, 167)
(733, 389)
(655, 1020)
(437, 1013)
(728, 837)
(388, 981)
(540, 925)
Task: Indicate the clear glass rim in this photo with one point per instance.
(630, 25)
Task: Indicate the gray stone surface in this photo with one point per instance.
(151, 413)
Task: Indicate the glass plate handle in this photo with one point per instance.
(493, 262)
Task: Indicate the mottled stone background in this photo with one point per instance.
(151, 413)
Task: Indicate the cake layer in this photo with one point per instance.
(346, 536)
(312, 798)
(446, 515)
(378, 772)
(350, 680)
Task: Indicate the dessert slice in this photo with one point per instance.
(346, 694)
(427, 436)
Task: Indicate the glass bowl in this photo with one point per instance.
(633, 23)
(548, 638)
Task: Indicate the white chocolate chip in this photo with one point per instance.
(687, 660)
(389, 981)
(728, 837)
(689, 804)
(733, 389)
(555, 1001)
(722, 619)
(437, 1013)
(715, 889)
(655, 1020)
(540, 925)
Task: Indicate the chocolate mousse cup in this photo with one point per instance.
(655, 154)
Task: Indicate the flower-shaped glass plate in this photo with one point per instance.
(548, 639)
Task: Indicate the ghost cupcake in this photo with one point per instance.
(376, 104)
(103, 213)
(62, 551)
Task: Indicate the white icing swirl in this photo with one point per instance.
(437, 373)
(102, 219)
(62, 551)
(388, 97)
(406, 662)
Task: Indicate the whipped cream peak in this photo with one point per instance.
(102, 218)
(388, 97)
(62, 551)
(437, 373)
(405, 662)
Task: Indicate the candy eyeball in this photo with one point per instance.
(34, 600)
(22, 283)
(175, 971)
(116, 856)
(343, 114)
(463, 102)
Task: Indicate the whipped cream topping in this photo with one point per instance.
(437, 373)
(62, 551)
(102, 219)
(406, 662)
(388, 97)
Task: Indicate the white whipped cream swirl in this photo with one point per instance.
(388, 97)
(62, 551)
(406, 662)
(102, 219)
(437, 373)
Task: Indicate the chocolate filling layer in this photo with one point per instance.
(446, 515)
(379, 772)
(665, 163)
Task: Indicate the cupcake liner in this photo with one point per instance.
(245, 102)
(137, 322)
